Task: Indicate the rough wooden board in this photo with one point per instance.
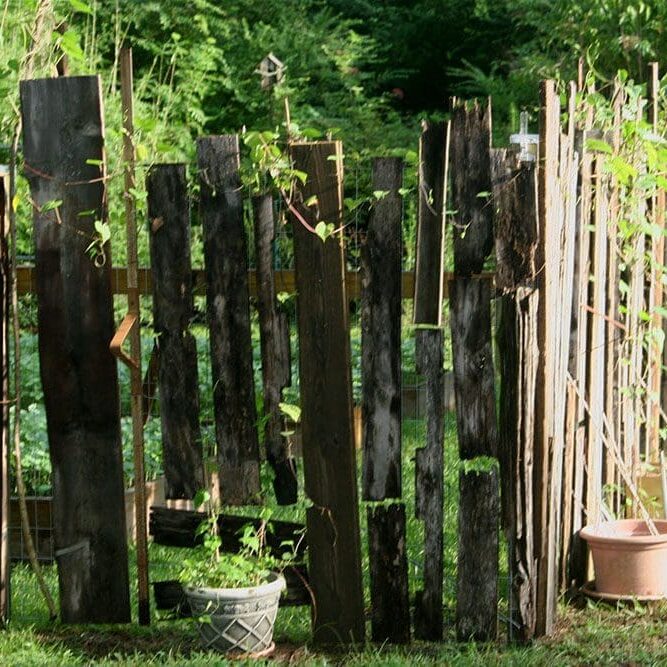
(517, 343)
(5, 314)
(62, 129)
(470, 321)
(429, 486)
(578, 367)
(326, 400)
(381, 336)
(429, 284)
(169, 237)
(387, 555)
(477, 571)
(471, 187)
(547, 258)
(515, 204)
(227, 299)
(275, 349)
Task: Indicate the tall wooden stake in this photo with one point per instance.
(131, 326)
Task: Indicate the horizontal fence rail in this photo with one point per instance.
(27, 282)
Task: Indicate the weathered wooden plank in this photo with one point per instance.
(62, 132)
(477, 573)
(326, 399)
(275, 349)
(169, 235)
(178, 528)
(477, 585)
(471, 187)
(381, 336)
(429, 485)
(547, 258)
(470, 320)
(5, 315)
(517, 341)
(429, 284)
(656, 292)
(227, 299)
(515, 204)
(387, 553)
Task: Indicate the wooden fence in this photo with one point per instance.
(554, 452)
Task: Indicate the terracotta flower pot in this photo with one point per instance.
(628, 560)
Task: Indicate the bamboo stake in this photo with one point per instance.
(23, 508)
(134, 332)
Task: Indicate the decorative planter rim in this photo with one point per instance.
(275, 584)
(620, 533)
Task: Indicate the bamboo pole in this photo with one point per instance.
(132, 330)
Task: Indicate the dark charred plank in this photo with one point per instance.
(326, 399)
(5, 315)
(226, 260)
(429, 283)
(471, 187)
(470, 318)
(381, 336)
(429, 485)
(275, 347)
(477, 573)
(390, 600)
(62, 133)
(169, 220)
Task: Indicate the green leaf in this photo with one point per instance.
(51, 205)
(599, 146)
(202, 496)
(292, 411)
(380, 194)
(324, 230)
(94, 163)
(79, 6)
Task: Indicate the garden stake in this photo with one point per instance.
(130, 327)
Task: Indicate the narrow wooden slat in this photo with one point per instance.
(547, 259)
(429, 485)
(326, 400)
(567, 201)
(227, 299)
(381, 336)
(5, 315)
(62, 133)
(656, 293)
(569, 331)
(515, 204)
(471, 187)
(275, 349)
(578, 366)
(387, 554)
(429, 284)
(169, 236)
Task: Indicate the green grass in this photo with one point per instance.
(586, 634)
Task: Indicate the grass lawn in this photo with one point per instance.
(587, 633)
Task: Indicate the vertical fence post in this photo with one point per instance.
(169, 236)
(227, 299)
(275, 348)
(470, 313)
(429, 279)
(381, 405)
(5, 315)
(75, 320)
(515, 203)
(326, 397)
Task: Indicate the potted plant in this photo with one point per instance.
(233, 596)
